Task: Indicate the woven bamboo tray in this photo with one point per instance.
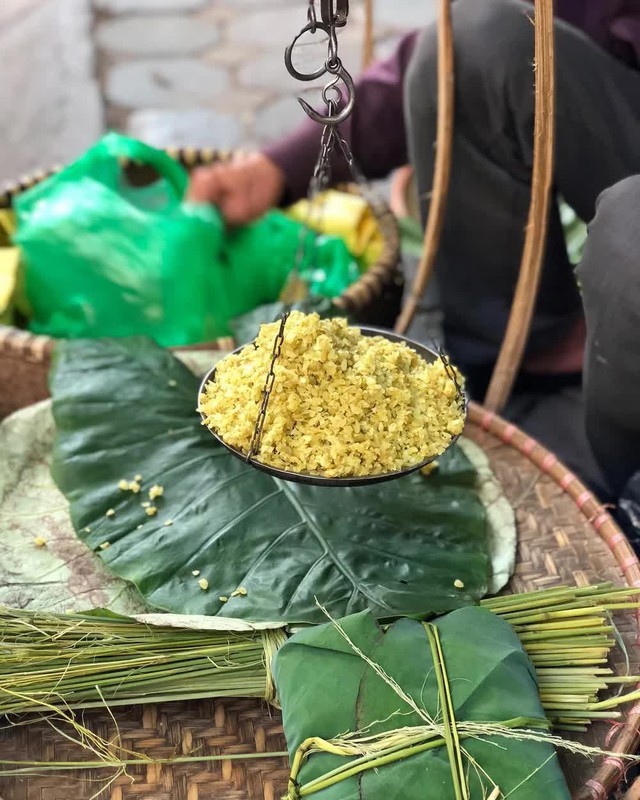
(374, 299)
(564, 537)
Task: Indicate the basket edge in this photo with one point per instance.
(612, 769)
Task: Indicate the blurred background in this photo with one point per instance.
(206, 73)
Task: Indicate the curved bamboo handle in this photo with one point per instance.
(612, 769)
(442, 167)
(367, 44)
(519, 325)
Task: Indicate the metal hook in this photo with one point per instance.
(333, 119)
(334, 12)
(311, 15)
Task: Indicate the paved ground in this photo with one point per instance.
(200, 72)
(50, 103)
(211, 72)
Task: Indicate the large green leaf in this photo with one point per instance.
(125, 407)
(327, 690)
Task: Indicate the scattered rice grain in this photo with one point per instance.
(203, 583)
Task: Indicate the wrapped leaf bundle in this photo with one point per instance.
(438, 711)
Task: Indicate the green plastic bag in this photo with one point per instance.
(107, 259)
(104, 258)
(271, 245)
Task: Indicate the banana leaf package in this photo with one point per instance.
(411, 711)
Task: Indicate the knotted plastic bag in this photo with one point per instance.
(104, 258)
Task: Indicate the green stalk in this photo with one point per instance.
(26, 767)
(452, 739)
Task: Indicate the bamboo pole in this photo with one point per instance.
(442, 168)
(519, 324)
(367, 45)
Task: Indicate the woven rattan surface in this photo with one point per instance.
(564, 537)
(204, 727)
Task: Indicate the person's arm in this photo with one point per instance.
(375, 130)
(248, 187)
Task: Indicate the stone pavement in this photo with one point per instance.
(211, 72)
(172, 72)
(50, 103)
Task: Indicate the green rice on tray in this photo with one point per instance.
(342, 404)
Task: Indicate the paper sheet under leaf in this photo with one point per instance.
(63, 574)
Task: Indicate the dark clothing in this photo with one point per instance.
(375, 130)
(610, 277)
(597, 147)
(603, 420)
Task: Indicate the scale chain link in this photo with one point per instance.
(320, 179)
(256, 439)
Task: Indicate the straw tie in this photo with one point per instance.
(272, 641)
(450, 729)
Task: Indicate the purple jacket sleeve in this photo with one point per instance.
(375, 131)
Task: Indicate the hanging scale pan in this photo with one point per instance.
(424, 352)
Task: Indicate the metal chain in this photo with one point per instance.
(452, 374)
(256, 439)
(333, 15)
(311, 16)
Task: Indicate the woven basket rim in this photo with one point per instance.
(627, 738)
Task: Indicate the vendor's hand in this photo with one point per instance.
(243, 189)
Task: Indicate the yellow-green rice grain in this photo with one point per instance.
(343, 404)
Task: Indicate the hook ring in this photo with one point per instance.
(288, 53)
